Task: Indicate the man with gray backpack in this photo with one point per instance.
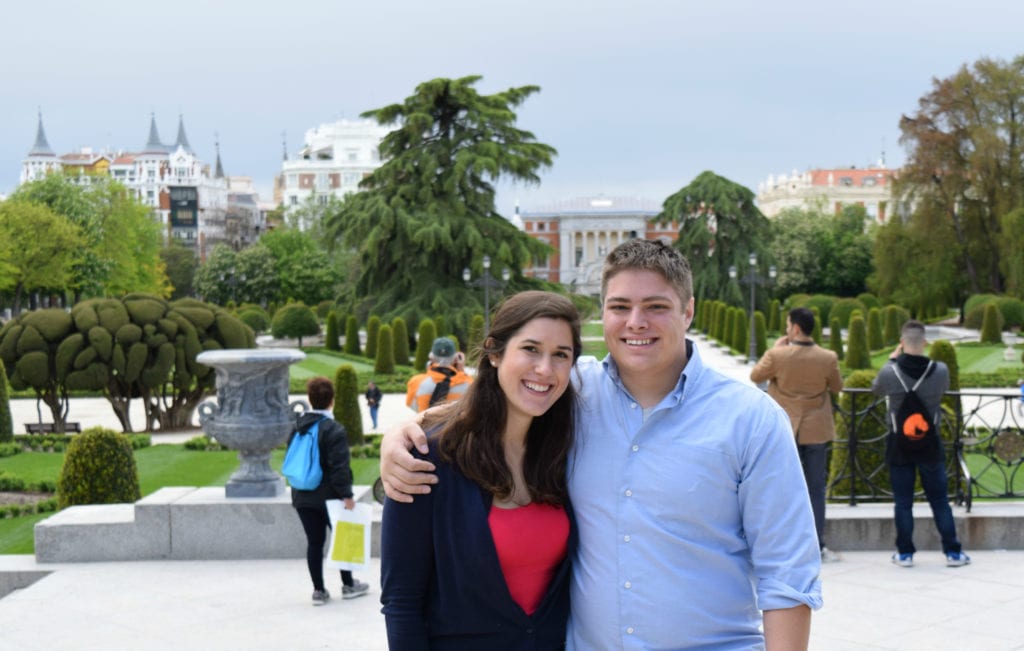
(914, 386)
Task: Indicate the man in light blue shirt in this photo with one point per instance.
(691, 505)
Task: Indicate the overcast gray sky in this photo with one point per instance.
(638, 96)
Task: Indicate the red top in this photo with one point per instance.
(531, 541)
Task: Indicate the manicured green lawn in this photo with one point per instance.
(593, 329)
(317, 364)
(158, 466)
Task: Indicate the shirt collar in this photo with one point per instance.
(693, 368)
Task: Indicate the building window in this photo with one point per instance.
(352, 155)
(579, 255)
(321, 199)
(293, 200)
(869, 181)
(352, 178)
(540, 226)
(846, 181)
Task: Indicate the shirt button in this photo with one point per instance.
(635, 448)
(629, 493)
(632, 405)
(626, 538)
(627, 585)
(630, 630)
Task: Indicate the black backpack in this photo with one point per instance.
(913, 425)
(441, 389)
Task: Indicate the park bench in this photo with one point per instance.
(47, 428)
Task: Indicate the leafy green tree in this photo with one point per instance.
(38, 249)
(964, 167)
(372, 330)
(719, 227)
(875, 341)
(400, 335)
(857, 356)
(33, 351)
(991, 332)
(180, 263)
(918, 264)
(331, 332)
(302, 267)
(426, 334)
(6, 423)
(346, 403)
(835, 337)
(384, 362)
(294, 320)
(429, 210)
(352, 336)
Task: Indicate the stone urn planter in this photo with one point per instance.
(251, 413)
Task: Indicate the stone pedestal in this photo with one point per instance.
(252, 414)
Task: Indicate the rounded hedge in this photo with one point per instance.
(99, 468)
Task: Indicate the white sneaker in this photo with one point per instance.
(903, 560)
(829, 556)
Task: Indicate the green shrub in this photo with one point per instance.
(728, 325)
(760, 334)
(99, 468)
(816, 333)
(844, 307)
(835, 337)
(1012, 310)
(203, 444)
(323, 308)
(400, 341)
(352, 336)
(6, 424)
(796, 300)
(869, 300)
(426, 334)
(384, 364)
(346, 403)
(331, 332)
(476, 338)
(294, 320)
(740, 332)
(255, 317)
(976, 300)
(857, 356)
(823, 303)
(372, 328)
(871, 427)
(991, 326)
(943, 351)
(875, 341)
(774, 316)
(891, 325)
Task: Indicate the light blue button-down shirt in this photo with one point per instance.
(692, 517)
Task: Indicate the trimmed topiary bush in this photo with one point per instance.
(346, 403)
(99, 468)
(6, 424)
(816, 335)
(774, 316)
(871, 433)
(740, 332)
(426, 334)
(476, 338)
(331, 332)
(891, 325)
(875, 341)
(372, 328)
(835, 338)
(869, 300)
(352, 336)
(760, 334)
(857, 356)
(823, 303)
(384, 364)
(991, 326)
(844, 307)
(400, 341)
(255, 317)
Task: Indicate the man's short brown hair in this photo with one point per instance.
(650, 255)
(320, 392)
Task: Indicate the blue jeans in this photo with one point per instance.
(812, 458)
(373, 416)
(933, 480)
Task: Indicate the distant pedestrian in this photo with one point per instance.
(373, 397)
(914, 447)
(444, 381)
(336, 485)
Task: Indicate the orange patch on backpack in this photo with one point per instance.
(915, 427)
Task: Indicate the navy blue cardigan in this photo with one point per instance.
(442, 584)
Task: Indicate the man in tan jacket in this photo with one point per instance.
(801, 377)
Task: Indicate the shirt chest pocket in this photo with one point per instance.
(688, 484)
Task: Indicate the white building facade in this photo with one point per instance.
(830, 190)
(333, 160)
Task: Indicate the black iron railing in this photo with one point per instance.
(983, 436)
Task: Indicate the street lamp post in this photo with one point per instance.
(487, 282)
(233, 281)
(752, 279)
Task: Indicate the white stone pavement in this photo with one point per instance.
(254, 605)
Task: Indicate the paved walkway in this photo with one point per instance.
(254, 605)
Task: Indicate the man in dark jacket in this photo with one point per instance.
(906, 367)
(336, 485)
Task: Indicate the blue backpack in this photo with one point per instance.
(302, 461)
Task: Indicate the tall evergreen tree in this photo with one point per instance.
(429, 211)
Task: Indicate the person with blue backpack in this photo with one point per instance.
(318, 470)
